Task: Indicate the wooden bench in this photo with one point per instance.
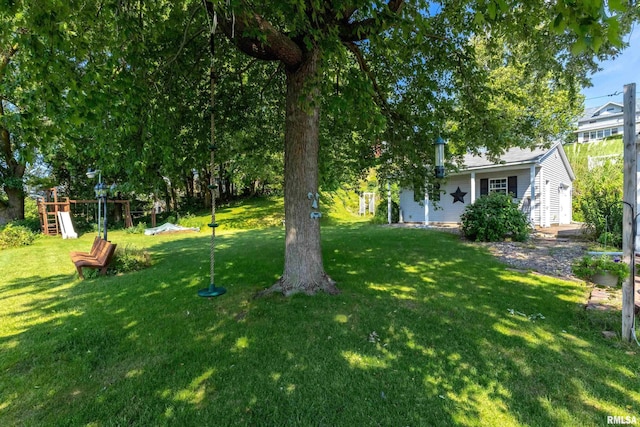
(99, 258)
(93, 252)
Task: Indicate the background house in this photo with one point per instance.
(601, 122)
(541, 180)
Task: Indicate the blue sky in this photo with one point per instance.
(615, 74)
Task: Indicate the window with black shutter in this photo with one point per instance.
(484, 186)
(512, 186)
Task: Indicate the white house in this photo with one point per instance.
(600, 122)
(540, 179)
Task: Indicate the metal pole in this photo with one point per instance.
(388, 202)
(104, 202)
(629, 200)
(99, 204)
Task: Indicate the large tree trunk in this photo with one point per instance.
(303, 268)
(14, 209)
(13, 175)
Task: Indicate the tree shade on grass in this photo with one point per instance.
(421, 334)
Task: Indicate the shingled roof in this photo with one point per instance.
(512, 156)
(590, 113)
(515, 157)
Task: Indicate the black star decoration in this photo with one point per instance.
(458, 196)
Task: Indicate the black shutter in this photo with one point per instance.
(484, 186)
(512, 186)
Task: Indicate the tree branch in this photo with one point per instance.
(13, 49)
(268, 82)
(382, 102)
(184, 38)
(362, 30)
(258, 38)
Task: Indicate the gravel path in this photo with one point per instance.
(544, 255)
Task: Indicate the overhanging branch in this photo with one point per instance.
(362, 30)
(257, 37)
(364, 67)
(6, 58)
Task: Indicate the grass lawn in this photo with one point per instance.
(421, 335)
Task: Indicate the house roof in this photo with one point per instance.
(515, 157)
(592, 112)
(510, 157)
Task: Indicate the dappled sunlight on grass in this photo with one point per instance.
(412, 344)
(421, 334)
(242, 343)
(10, 344)
(195, 393)
(519, 329)
(396, 291)
(632, 394)
(134, 373)
(361, 361)
(341, 318)
(585, 394)
(575, 341)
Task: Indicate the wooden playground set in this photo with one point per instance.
(49, 209)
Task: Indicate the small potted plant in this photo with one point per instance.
(602, 270)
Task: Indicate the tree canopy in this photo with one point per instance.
(124, 85)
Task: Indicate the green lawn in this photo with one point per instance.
(421, 335)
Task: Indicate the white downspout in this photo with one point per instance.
(532, 186)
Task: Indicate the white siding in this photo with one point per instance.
(411, 210)
(556, 174)
(446, 211)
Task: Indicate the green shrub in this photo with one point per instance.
(129, 258)
(607, 239)
(32, 224)
(599, 196)
(382, 217)
(493, 218)
(191, 220)
(12, 236)
(139, 228)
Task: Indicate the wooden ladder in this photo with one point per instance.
(51, 227)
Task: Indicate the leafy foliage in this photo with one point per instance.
(130, 258)
(137, 229)
(588, 266)
(600, 202)
(12, 236)
(382, 214)
(194, 221)
(493, 218)
(583, 157)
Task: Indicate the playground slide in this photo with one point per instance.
(66, 226)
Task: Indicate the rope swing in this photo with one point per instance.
(212, 290)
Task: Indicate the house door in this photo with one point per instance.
(564, 204)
